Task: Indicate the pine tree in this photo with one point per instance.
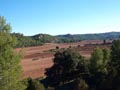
(80, 84)
(115, 54)
(115, 65)
(34, 85)
(98, 69)
(10, 69)
(106, 55)
(96, 59)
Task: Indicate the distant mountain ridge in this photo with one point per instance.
(100, 36)
(40, 39)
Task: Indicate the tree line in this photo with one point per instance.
(40, 39)
(26, 41)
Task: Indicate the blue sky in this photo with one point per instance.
(61, 16)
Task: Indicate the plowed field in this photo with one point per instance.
(37, 59)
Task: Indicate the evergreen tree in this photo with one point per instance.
(34, 85)
(64, 68)
(80, 84)
(10, 70)
(106, 55)
(96, 60)
(115, 64)
(115, 54)
(98, 69)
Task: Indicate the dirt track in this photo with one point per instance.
(36, 60)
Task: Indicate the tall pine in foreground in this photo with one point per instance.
(10, 70)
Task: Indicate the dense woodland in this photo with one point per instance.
(70, 70)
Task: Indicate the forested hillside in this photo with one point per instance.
(79, 37)
(40, 39)
(25, 41)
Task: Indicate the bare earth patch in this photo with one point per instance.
(36, 60)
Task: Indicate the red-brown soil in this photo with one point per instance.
(37, 59)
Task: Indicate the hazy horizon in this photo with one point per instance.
(56, 17)
(66, 33)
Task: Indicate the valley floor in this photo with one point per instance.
(37, 59)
